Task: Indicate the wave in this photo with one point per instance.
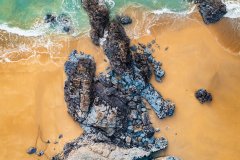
(233, 9)
(169, 11)
(33, 32)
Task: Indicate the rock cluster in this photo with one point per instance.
(203, 96)
(211, 10)
(110, 107)
(98, 18)
(62, 20)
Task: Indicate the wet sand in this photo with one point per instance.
(32, 91)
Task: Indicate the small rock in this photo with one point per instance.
(124, 20)
(32, 150)
(60, 136)
(203, 96)
(40, 153)
(133, 48)
(157, 130)
(66, 29)
(50, 18)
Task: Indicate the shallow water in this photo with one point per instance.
(32, 102)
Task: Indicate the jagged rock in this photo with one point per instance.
(117, 49)
(124, 20)
(98, 17)
(161, 107)
(211, 10)
(203, 96)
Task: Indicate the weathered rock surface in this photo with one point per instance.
(117, 49)
(203, 96)
(98, 18)
(211, 10)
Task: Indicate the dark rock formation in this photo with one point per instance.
(98, 17)
(80, 69)
(110, 107)
(124, 20)
(117, 49)
(211, 10)
(203, 96)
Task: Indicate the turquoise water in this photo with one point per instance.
(24, 13)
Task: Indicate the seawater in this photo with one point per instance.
(20, 15)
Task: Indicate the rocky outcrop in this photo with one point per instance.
(211, 10)
(203, 96)
(98, 18)
(110, 107)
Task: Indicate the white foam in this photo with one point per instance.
(233, 9)
(111, 3)
(169, 11)
(34, 32)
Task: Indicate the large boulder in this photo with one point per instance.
(211, 10)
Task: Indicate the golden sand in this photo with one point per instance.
(32, 101)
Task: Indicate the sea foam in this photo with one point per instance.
(33, 32)
(233, 9)
(169, 11)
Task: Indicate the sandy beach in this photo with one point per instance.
(198, 56)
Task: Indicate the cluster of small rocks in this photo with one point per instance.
(211, 10)
(62, 20)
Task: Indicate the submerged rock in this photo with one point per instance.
(203, 96)
(49, 18)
